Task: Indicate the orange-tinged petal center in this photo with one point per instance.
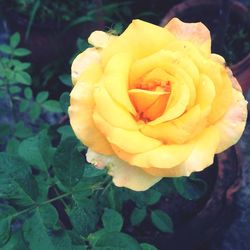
(150, 98)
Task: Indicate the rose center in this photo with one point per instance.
(150, 98)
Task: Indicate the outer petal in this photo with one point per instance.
(83, 62)
(165, 156)
(100, 39)
(194, 32)
(124, 175)
(169, 172)
(203, 152)
(223, 97)
(232, 124)
(80, 113)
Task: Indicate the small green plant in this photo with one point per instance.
(237, 44)
(23, 107)
(12, 70)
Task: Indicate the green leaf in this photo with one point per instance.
(141, 199)
(78, 20)
(1, 83)
(14, 40)
(52, 106)
(15, 193)
(94, 237)
(84, 217)
(165, 186)
(146, 246)
(20, 65)
(44, 182)
(66, 79)
(42, 96)
(112, 220)
(68, 163)
(14, 89)
(6, 213)
(23, 77)
(35, 111)
(153, 196)
(12, 146)
(40, 237)
(28, 93)
(37, 150)
(21, 52)
(49, 215)
(85, 187)
(22, 131)
(16, 182)
(76, 238)
(191, 188)
(91, 171)
(138, 215)
(116, 240)
(5, 129)
(16, 242)
(114, 199)
(11, 165)
(65, 131)
(5, 49)
(32, 15)
(64, 101)
(162, 221)
(82, 44)
(24, 105)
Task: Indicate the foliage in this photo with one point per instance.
(237, 39)
(50, 197)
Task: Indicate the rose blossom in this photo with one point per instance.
(154, 102)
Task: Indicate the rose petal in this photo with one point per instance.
(201, 156)
(166, 132)
(203, 152)
(80, 113)
(100, 39)
(232, 124)
(170, 172)
(179, 130)
(111, 111)
(83, 62)
(197, 33)
(115, 80)
(177, 104)
(139, 39)
(132, 141)
(165, 156)
(149, 104)
(223, 97)
(124, 175)
(205, 94)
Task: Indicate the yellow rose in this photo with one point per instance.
(154, 102)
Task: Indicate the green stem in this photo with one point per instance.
(106, 188)
(34, 206)
(64, 203)
(54, 199)
(41, 204)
